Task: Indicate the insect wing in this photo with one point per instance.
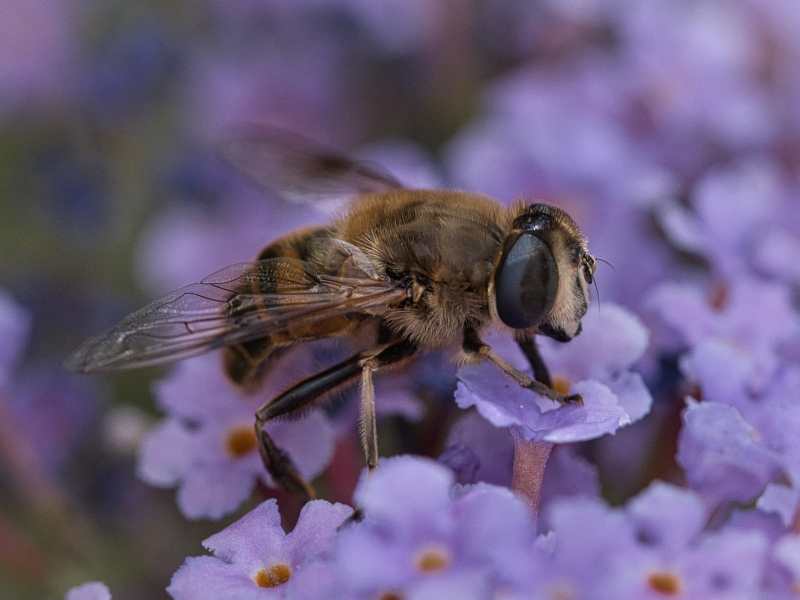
(298, 169)
(236, 304)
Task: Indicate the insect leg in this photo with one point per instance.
(311, 390)
(540, 371)
(293, 400)
(367, 424)
(473, 346)
(385, 357)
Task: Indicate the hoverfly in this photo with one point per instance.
(406, 270)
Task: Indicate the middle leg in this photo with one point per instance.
(309, 392)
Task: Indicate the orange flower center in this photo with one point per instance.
(240, 440)
(276, 575)
(665, 582)
(433, 559)
(561, 385)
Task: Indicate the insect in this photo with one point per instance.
(402, 271)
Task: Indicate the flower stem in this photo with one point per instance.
(530, 459)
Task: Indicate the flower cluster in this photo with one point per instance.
(424, 538)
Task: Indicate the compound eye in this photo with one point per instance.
(526, 282)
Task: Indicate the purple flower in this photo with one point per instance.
(721, 454)
(775, 254)
(734, 443)
(254, 558)
(695, 73)
(656, 546)
(94, 590)
(755, 317)
(207, 446)
(418, 540)
(612, 341)
(731, 209)
(594, 364)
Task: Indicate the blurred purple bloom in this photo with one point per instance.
(254, 558)
(400, 27)
(15, 324)
(51, 411)
(56, 412)
(731, 209)
(779, 241)
(38, 46)
(128, 70)
(94, 590)
(734, 443)
(695, 70)
(782, 500)
(755, 317)
(776, 252)
(787, 553)
(655, 546)
(188, 242)
(463, 461)
(207, 444)
(777, 580)
(419, 541)
(299, 85)
(407, 161)
(721, 454)
(553, 132)
(594, 364)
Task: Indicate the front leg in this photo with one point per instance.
(473, 346)
(531, 351)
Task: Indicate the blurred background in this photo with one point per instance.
(668, 129)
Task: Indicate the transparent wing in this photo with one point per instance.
(299, 169)
(236, 304)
